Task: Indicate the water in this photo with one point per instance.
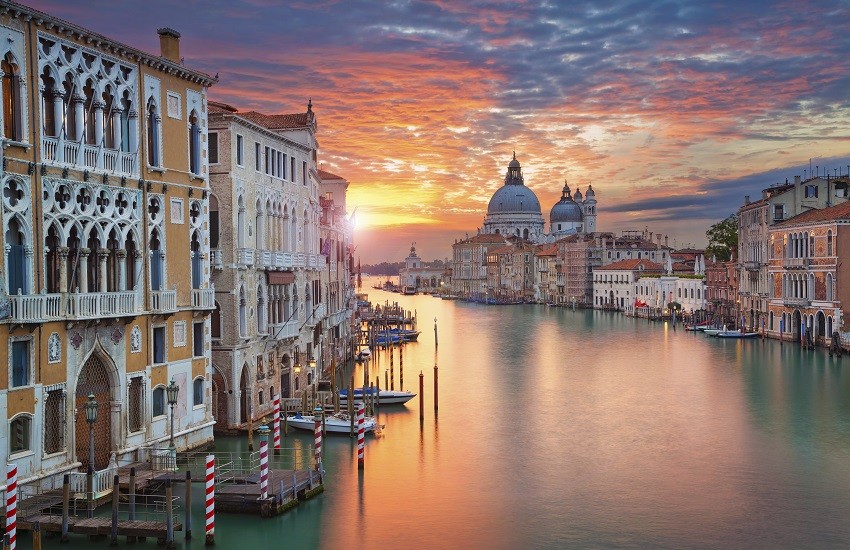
(582, 429)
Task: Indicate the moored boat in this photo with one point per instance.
(385, 397)
(736, 334)
(339, 423)
(714, 331)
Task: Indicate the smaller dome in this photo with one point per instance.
(566, 209)
(577, 197)
(590, 194)
(514, 162)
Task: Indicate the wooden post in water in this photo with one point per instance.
(377, 404)
(187, 523)
(386, 379)
(421, 397)
(436, 341)
(436, 391)
(113, 541)
(169, 518)
(392, 373)
(132, 501)
(66, 499)
(401, 368)
(351, 405)
(36, 536)
(372, 398)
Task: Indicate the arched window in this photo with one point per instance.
(259, 227)
(89, 114)
(127, 144)
(20, 434)
(11, 99)
(198, 391)
(213, 222)
(829, 243)
(157, 261)
(16, 258)
(109, 126)
(261, 310)
(830, 287)
(153, 133)
(243, 313)
(70, 98)
(194, 143)
(158, 408)
(197, 263)
(48, 97)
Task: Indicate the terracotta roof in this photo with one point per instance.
(546, 249)
(325, 175)
(277, 122)
(752, 205)
(837, 212)
(216, 107)
(501, 250)
(632, 264)
(486, 238)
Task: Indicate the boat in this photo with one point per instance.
(385, 397)
(409, 290)
(736, 334)
(404, 334)
(339, 423)
(714, 331)
(449, 296)
(363, 354)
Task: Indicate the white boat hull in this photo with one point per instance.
(385, 397)
(333, 424)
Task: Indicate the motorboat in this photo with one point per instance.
(736, 334)
(363, 354)
(714, 331)
(385, 397)
(339, 423)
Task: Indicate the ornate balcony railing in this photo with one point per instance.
(92, 305)
(203, 298)
(35, 308)
(245, 256)
(752, 265)
(288, 329)
(316, 315)
(796, 302)
(217, 259)
(795, 263)
(164, 301)
(61, 151)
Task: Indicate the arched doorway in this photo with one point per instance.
(244, 395)
(821, 325)
(795, 325)
(219, 402)
(94, 378)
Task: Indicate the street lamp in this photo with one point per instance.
(171, 393)
(91, 418)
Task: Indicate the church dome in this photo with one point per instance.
(590, 193)
(514, 196)
(566, 209)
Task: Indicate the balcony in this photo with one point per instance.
(203, 298)
(317, 315)
(752, 265)
(245, 256)
(288, 329)
(93, 157)
(795, 263)
(35, 308)
(96, 305)
(217, 259)
(337, 318)
(796, 302)
(163, 301)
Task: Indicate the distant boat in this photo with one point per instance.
(339, 423)
(714, 331)
(363, 354)
(449, 297)
(736, 334)
(385, 397)
(409, 290)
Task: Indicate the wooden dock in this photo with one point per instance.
(96, 526)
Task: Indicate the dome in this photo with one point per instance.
(577, 195)
(514, 162)
(566, 209)
(514, 199)
(590, 194)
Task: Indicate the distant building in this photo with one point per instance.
(422, 277)
(614, 284)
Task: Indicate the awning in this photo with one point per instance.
(280, 277)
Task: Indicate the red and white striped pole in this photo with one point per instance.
(12, 505)
(264, 461)
(317, 431)
(360, 434)
(276, 425)
(210, 500)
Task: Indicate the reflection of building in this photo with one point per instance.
(808, 288)
(104, 213)
(266, 258)
(422, 277)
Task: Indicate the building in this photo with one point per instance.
(720, 285)
(106, 290)
(809, 293)
(546, 281)
(266, 241)
(614, 284)
(510, 274)
(755, 219)
(420, 276)
(469, 269)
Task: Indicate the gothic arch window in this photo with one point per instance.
(11, 90)
(127, 127)
(154, 134)
(214, 227)
(243, 313)
(157, 261)
(196, 259)
(259, 227)
(830, 287)
(70, 98)
(16, 258)
(829, 243)
(261, 309)
(240, 223)
(89, 114)
(20, 434)
(48, 101)
(194, 143)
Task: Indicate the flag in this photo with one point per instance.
(326, 247)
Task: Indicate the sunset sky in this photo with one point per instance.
(672, 110)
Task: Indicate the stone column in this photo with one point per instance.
(79, 112)
(58, 107)
(84, 269)
(137, 271)
(103, 280)
(63, 269)
(116, 128)
(122, 269)
(98, 122)
(133, 138)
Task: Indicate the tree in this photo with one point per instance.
(723, 239)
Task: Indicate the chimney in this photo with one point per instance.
(746, 199)
(665, 240)
(796, 180)
(169, 44)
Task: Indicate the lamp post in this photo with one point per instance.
(171, 393)
(91, 418)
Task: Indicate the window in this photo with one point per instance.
(19, 434)
(135, 404)
(261, 397)
(198, 339)
(153, 133)
(304, 174)
(11, 100)
(292, 169)
(240, 153)
(811, 191)
(159, 401)
(194, 143)
(159, 345)
(213, 147)
(257, 159)
(268, 160)
(198, 391)
(778, 212)
(283, 174)
(829, 243)
(215, 322)
(20, 363)
(54, 421)
(280, 164)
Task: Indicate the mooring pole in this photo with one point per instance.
(210, 501)
(169, 518)
(401, 368)
(436, 390)
(66, 500)
(436, 341)
(36, 536)
(187, 522)
(421, 397)
(360, 435)
(114, 535)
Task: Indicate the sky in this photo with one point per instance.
(672, 110)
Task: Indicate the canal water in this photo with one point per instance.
(560, 428)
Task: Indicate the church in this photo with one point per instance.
(515, 211)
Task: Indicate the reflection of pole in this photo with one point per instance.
(436, 392)
(421, 397)
(436, 342)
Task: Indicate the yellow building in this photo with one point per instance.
(105, 275)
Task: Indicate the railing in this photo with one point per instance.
(792, 263)
(90, 156)
(217, 259)
(28, 308)
(102, 304)
(127, 162)
(203, 298)
(101, 482)
(110, 159)
(796, 302)
(49, 146)
(265, 258)
(288, 329)
(751, 265)
(62, 151)
(163, 301)
(245, 256)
